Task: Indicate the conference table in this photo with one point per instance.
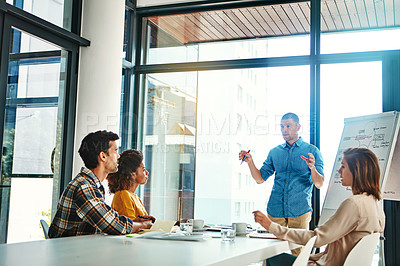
(122, 250)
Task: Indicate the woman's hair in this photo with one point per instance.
(364, 166)
(128, 163)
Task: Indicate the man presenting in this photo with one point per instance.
(82, 209)
(297, 166)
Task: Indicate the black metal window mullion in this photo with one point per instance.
(4, 81)
(76, 19)
(137, 59)
(68, 130)
(315, 34)
(12, 88)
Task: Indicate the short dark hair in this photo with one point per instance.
(128, 163)
(291, 116)
(93, 144)
(364, 166)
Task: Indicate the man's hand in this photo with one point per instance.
(242, 154)
(255, 173)
(316, 177)
(147, 225)
(145, 218)
(137, 226)
(310, 161)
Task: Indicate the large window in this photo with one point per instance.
(37, 110)
(215, 79)
(31, 148)
(195, 125)
(220, 112)
(207, 36)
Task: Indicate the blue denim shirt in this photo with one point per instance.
(292, 190)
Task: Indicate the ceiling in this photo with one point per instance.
(277, 20)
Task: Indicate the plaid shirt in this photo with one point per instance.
(83, 211)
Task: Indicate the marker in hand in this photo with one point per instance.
(244, 158)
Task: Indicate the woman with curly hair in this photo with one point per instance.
(123, 183)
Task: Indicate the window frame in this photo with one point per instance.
(390, 80)
(11, 16)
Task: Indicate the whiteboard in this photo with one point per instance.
(392, 187)
(375, 132)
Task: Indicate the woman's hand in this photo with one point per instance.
(262, 219)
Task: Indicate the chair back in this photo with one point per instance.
(45, 228)
(363, 251)
(302, 258)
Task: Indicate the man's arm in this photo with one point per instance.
(255, 173)
(92, 209)
(316, 177)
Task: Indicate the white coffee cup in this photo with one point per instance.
(198, 223)
(240, 228)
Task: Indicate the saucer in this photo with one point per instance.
(241, 234)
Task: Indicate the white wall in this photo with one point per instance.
(100, 64)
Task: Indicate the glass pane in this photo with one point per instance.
(58, 12)
(38, 80)
(229, 34)
(347, 90)
(169, 143)
(360, 41)
(195, 125)
(32, 134)
(34, 157)
(359, 26)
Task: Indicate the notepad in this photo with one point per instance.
(163, 226)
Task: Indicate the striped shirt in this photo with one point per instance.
(83, 211)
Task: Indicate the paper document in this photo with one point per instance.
(173, 236)
(163, 226)
(263, 235)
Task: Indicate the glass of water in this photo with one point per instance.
(228, 235)
(186, 226)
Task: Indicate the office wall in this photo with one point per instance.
(99, 73)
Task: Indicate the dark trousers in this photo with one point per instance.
(283, 259)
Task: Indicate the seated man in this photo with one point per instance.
(82, 209)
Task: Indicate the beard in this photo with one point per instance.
(112, 168)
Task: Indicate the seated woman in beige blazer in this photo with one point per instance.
(357, 216)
